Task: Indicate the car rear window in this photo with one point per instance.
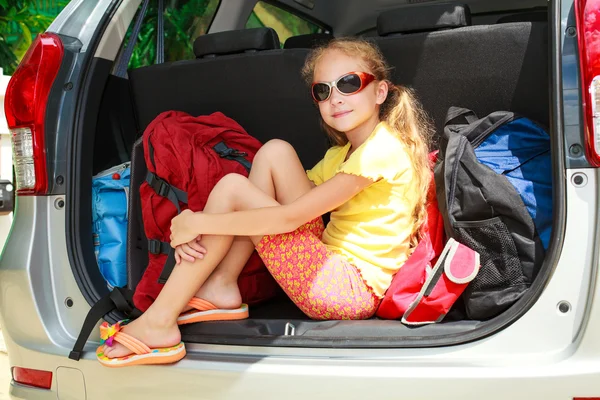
(184, 21)
(285, 23)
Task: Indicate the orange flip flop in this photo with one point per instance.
(143, 355)
(205, 311)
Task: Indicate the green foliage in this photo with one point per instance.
(254, 21)
(184, 21)
(20, 22)
(283, 22)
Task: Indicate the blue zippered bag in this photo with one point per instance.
(110, 196)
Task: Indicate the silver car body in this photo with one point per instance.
(551, 352)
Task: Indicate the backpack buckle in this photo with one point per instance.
(225, 151)
(232, 153)
(160, 186)
(154, 246)
(163, 188)
(157, 247)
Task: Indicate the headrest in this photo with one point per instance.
(423, 18)
(308, 41)
(232, 42)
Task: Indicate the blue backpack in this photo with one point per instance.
(494, 187)
(520, 150)
(110, 195)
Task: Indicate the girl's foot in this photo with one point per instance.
(225, 295)
(148, 331)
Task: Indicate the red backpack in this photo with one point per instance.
(434, 276)
(186, 156)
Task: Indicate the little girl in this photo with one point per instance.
(374, 181)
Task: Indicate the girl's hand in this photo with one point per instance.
(182, 228)
(190, 251)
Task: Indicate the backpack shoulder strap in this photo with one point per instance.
(454, 113)
(232, 154)
(163, 189)
(175, 196)
(475, 130)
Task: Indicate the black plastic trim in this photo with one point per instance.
(57, 120)
(512, 11)
(306, 333)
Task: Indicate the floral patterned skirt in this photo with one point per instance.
(323, 284)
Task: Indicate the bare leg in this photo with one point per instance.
(157, 327)
(278, 172)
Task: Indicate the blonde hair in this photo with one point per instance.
(401, 111)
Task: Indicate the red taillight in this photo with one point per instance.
(25, 106)
(588, 35)
(32, 377)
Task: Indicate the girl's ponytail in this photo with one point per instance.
(404, 114)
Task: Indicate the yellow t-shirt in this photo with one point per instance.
(372, 230)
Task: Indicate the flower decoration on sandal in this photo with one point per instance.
(108, 332)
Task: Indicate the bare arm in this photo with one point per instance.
(285, 218)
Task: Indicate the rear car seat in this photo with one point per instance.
(484, 68)
(243, 74)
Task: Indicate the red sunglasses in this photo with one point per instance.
(350, 83)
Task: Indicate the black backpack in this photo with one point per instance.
(484, 211)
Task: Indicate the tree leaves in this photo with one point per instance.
(8, 60)
(20, 22)
(26, 32)
(185, 20)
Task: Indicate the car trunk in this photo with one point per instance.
(486, 68)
